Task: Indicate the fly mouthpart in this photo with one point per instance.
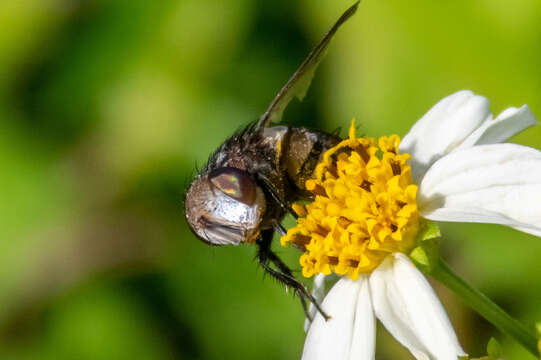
(219, 233)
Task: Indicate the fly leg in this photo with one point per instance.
(299, 288)
(267, 185)
(282, 273)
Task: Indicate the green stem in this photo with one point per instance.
(485, 307)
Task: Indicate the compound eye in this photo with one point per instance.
(235, 183)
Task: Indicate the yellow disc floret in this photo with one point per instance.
(364, 208)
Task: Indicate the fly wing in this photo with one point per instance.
(300, 81)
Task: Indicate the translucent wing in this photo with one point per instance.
(300, 81)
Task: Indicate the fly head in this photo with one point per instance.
(225, 207)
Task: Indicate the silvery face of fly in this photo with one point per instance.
(249, 182)
(225, 207)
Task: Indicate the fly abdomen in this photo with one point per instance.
(303, 151)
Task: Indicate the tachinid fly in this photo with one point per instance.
(248, 184)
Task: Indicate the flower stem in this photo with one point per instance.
(485, 307)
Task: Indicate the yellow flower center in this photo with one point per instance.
(364, 209)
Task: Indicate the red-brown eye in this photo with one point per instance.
(235, 183)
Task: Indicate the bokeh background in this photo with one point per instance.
(106, 106)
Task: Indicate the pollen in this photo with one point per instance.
(364, 208)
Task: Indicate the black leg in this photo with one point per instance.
(267, 185)
(279, 228)
(287, 272)
(283, 274)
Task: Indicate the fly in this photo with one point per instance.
(249, 182)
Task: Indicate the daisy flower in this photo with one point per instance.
(373, 197)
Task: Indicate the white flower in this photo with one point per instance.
(465, 174)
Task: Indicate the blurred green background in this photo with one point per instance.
(106, 106)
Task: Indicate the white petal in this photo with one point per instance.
(409, 309)
(318, 292)
(389, 310)
(332, 339)
(510, 122)
(443, 128)
(498, 183)
(363, 344)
